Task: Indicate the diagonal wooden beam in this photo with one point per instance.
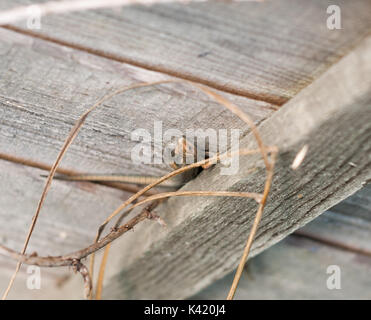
(205, 236)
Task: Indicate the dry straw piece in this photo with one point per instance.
(268, 154)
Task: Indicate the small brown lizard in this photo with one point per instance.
(182, 151)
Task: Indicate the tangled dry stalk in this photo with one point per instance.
(74, 259)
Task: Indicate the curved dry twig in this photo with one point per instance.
(71, 136)
(70, 259)
(227, 104)
(254, 228)
(59, 261)
(73, 133)
(159, 181)
(98, 294)
(242, 115)
(171, 175)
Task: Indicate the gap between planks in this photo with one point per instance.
(277, 102)
(299, 233)
(331, 243)
(46, 167)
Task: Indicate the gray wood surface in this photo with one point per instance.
(347, 225)
(206, 236)
(68, 222)
(70, 217)
(264, 50)
(263, 54)
(43, 90)
(295, 268)
(45, 87)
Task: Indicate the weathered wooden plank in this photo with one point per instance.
(265, 50)
(280, 272)
(68, 222)
(295, 268)
(70, 217)
(347, 225)
(205, 237)
(68, 93)
(45, 87)
(56, 284)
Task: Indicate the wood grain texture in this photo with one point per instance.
(263, 50)
(69, 219)
(205, 237)
(43, 90)
(45, 87)
(346, 225)
(295, 268)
